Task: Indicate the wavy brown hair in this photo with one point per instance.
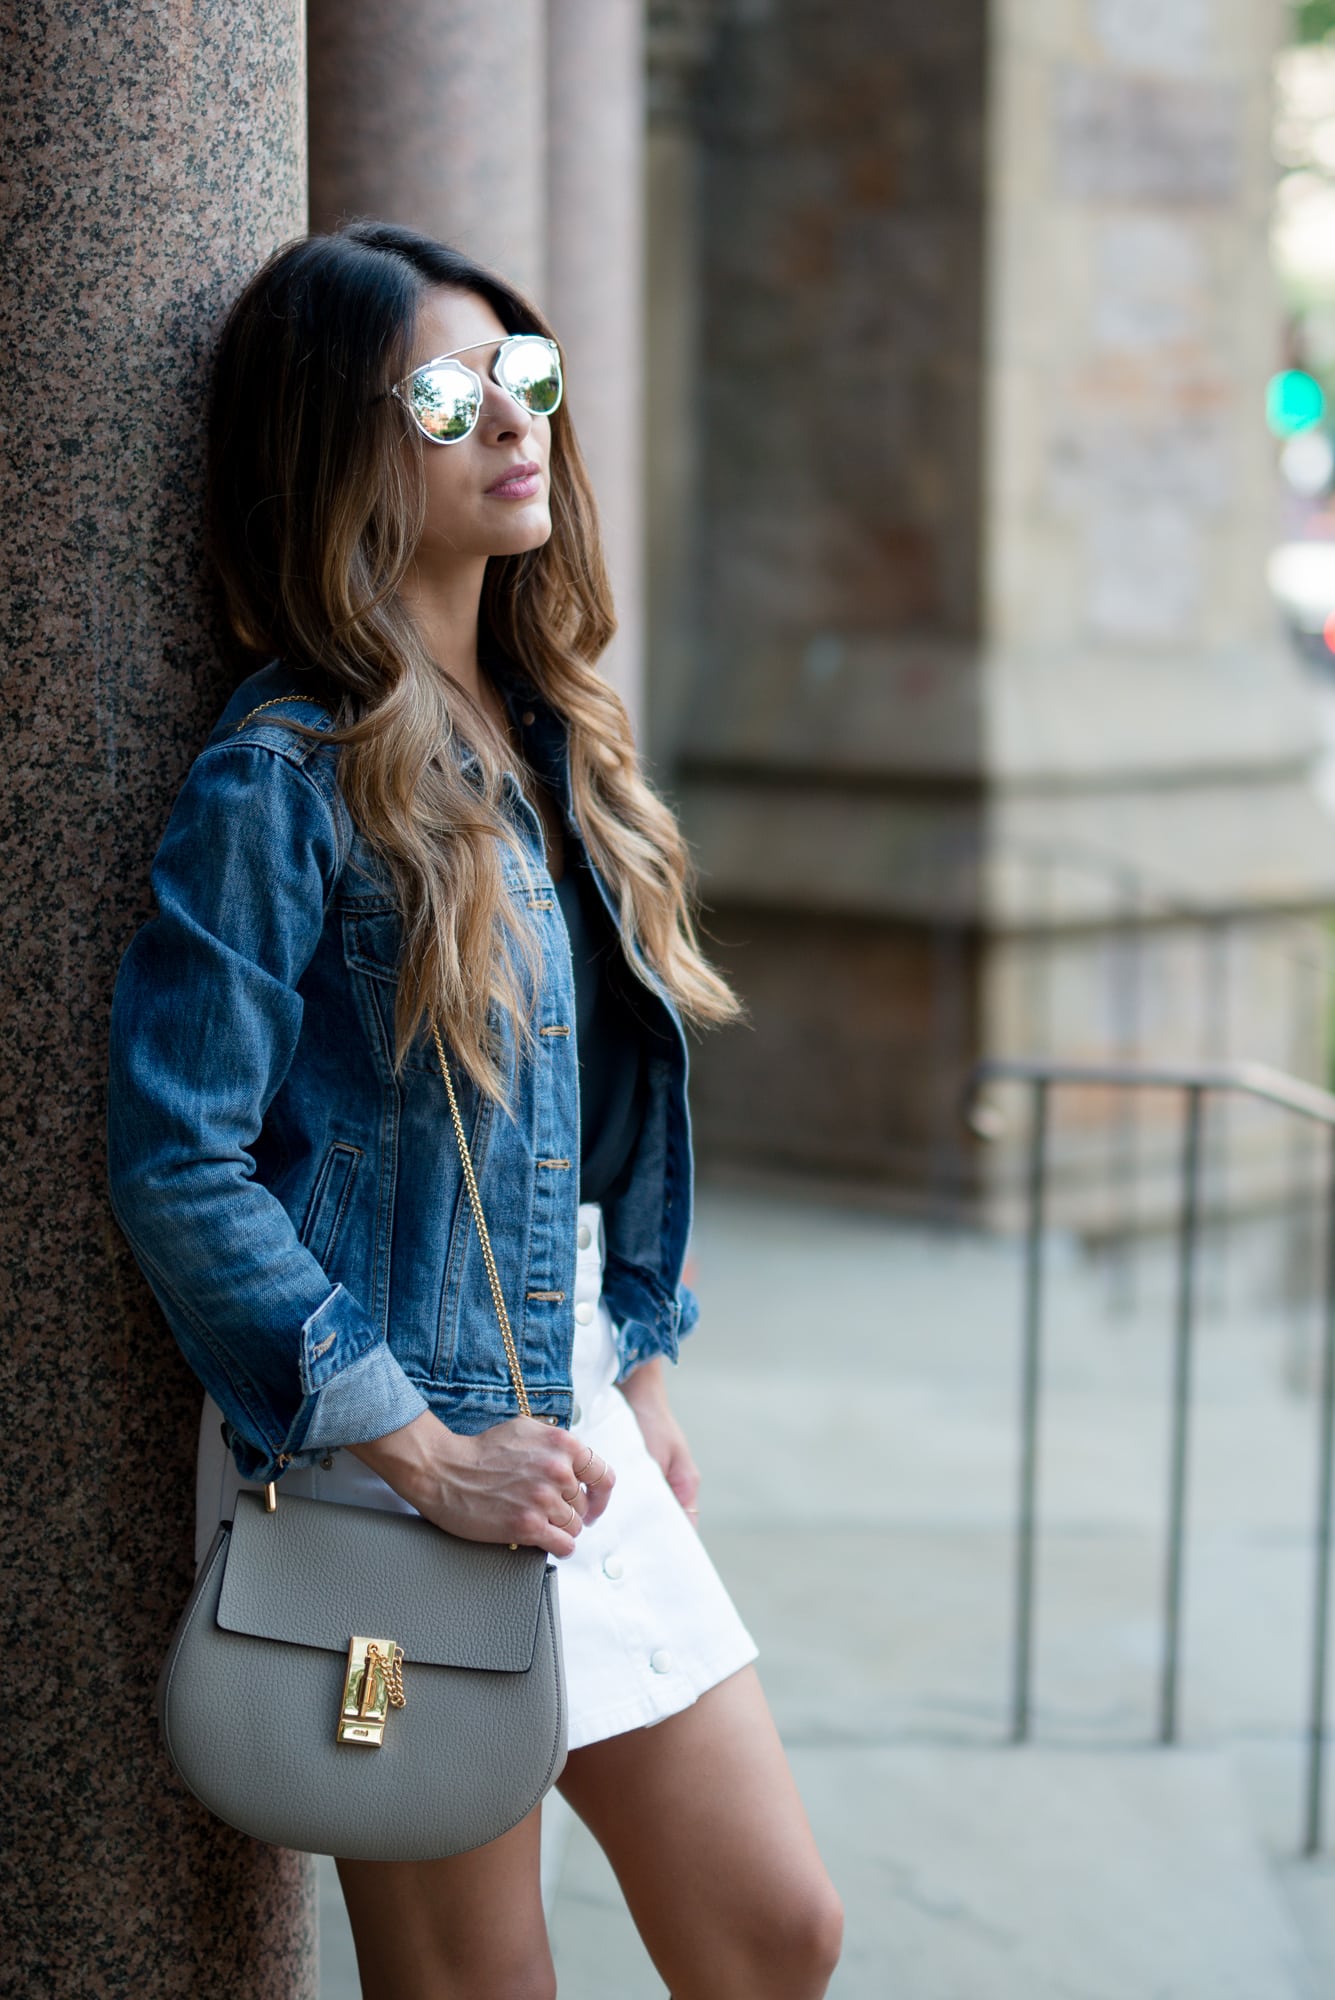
(314, 513)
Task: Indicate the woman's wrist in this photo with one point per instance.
(647, 1384)
(407, 1458)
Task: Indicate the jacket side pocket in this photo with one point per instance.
(329, 1200)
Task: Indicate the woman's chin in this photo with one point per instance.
(524, 535)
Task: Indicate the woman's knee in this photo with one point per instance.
(818, 1924)
(800, 1940)
(527, 1983)
(499, 1973)
(826, 1929)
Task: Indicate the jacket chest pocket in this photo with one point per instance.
(372, 942)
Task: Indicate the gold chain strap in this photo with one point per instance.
(475, 1201)
(276, 702)
(393, 1673)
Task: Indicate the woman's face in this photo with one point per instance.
(465, 517)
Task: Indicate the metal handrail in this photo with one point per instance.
(1255, 1080)
(1142, 899)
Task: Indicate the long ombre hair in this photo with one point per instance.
(314, 513)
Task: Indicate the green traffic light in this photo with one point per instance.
(1294, 401)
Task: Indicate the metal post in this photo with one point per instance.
(948, 967)
(1316, 1734)
(1304, 1279)
(1189, 1232)
(1038, 1004)
(1128, 984)
(1218, 962)
(948, 1030)
(1033, 1309)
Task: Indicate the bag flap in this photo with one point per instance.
(316, 1572)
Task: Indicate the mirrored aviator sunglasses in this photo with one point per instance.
(444, 398)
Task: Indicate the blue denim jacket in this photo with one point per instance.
(299, 1212)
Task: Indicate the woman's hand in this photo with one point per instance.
(646, 1392)
(521, 1481)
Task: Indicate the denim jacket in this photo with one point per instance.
(299, 1212)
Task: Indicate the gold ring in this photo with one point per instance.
(588, 1462)
(692, 1510)
(573, 1515)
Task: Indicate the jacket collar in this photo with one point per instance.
(544, 736)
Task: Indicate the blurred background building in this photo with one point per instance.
(982, 717)
(954, 380)
(923, 360)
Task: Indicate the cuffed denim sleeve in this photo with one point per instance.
(659, 1337)
(204, 1026)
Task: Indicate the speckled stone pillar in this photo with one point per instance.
(515, 133)
(595, 281)
(679, 37)
(159, 155)
(433, 113)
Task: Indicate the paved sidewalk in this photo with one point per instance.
(851, 1395)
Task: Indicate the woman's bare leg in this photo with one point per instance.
(702, 1822)
(474, 1925)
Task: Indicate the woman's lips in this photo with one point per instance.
(520, 485)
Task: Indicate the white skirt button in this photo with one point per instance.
(585, 1236)
(584, 1312)
(575, 1413)
(613, 1567)
(661, 1661)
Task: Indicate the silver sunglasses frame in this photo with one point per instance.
(508, 340)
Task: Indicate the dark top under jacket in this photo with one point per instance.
(609, 1034)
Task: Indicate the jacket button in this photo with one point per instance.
(527, 716)
(584, 1312)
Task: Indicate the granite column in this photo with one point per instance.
(432, 113)
(516, 135)
(595, 281)
(680, 36)
(158, 154)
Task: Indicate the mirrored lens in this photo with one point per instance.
(445, 400)
(530, 368)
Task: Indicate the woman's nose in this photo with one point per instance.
(501, 414)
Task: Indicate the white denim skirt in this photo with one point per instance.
(647, 1623)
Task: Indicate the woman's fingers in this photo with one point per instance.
(565, 1524)
(591, 1483)
(591, 1468)
(596, 1476)
(521, 1481)
(557, 1465)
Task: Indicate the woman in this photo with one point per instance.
(428, 808)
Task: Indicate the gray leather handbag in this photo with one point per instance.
(352, 1682)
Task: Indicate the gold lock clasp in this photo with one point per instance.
(372, 1685)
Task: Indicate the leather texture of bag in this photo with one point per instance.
(253, 1689)
(361, 1683)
